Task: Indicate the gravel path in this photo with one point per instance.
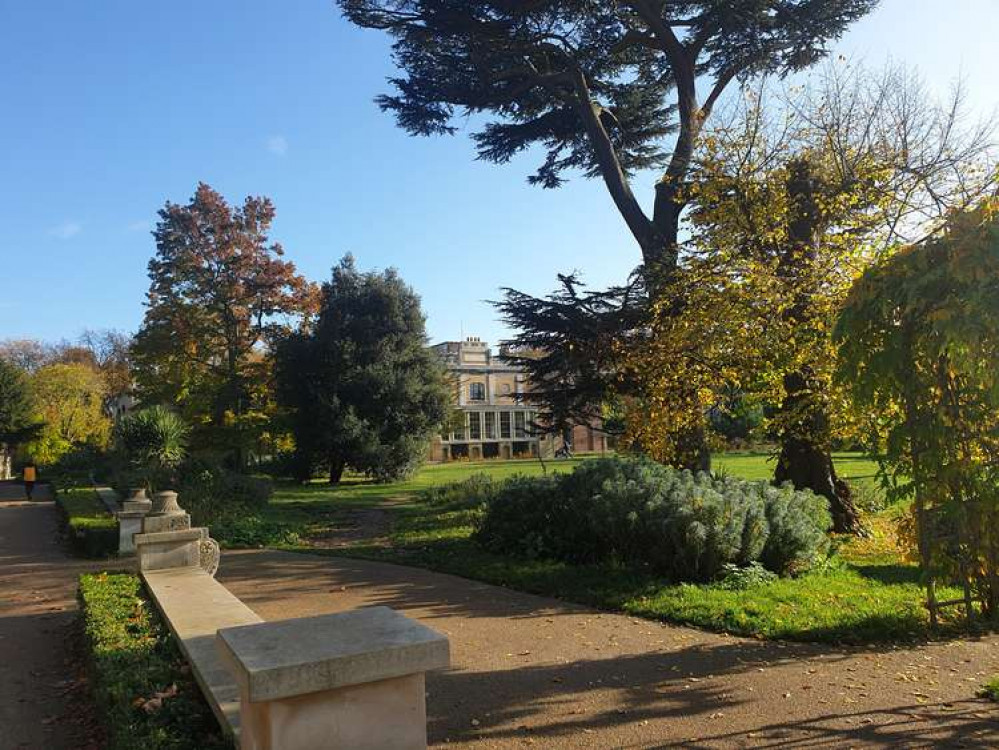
(529, 671)
(43, 701)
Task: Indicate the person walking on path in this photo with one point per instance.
(30, 475)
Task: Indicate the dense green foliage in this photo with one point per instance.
(919, 342)
(144, 689)
(600, 88)
(149, 444)
(92, 530)
(15, 403)
(681, 525)
(214, 495)
(363, 389)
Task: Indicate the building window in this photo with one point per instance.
(519, 425)
(490, 425)
(505, 389)
(476, 392)
(504, 424)
(474, 425)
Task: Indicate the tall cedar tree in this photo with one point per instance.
(363, 389)
(219, 292)
(601, 88)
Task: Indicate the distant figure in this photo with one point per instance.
(564, 452)
(30, 475)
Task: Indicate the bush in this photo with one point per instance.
(254, 531)
(475, 491)
(142, 685)
(734, 578)
(637, 512)
(79, 467)
(92, 530)
(150, 444)
(213, 494)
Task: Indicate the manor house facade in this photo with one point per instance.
(492, 421)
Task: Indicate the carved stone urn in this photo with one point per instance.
(137, 495)
(165, 504)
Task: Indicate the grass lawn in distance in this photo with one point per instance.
(865, 592)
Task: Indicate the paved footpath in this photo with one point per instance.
(39, 692)
(535, 672)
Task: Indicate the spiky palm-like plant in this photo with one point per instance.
(151, 442)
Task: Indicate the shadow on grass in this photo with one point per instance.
(890, 574)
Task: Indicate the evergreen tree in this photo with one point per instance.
(16, 418)
(363, 389)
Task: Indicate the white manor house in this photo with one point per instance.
(496, 423)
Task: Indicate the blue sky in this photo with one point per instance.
(114, 106)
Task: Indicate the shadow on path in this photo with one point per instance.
(528, 670)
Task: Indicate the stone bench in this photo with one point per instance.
(195, 607)
(348, 681)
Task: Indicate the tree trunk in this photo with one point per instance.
(805, 461)
(337, 466)
(808, 467)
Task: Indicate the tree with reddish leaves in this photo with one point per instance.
(220, 291)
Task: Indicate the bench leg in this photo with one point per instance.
(384, 715)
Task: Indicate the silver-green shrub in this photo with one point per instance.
(633, 511)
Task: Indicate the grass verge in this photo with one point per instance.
(142, 685)
(93, 531)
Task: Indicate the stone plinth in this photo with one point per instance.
(129, 524)
(160, 550)
(351, 680)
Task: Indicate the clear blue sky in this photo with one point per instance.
(111, 107)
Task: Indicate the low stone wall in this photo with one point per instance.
(353, 680)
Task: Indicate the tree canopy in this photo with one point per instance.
(601, 88)
(69, 401)
(220, 292)
(918, 345)
(16, 417)
(363, 389)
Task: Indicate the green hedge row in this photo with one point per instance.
(92, 530)
(142, 685)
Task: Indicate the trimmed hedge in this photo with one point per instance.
(142, 685)
(685, 526)
(92, 530)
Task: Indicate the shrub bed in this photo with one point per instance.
(142, 685)
(214, 494)
(684, 526)
(92, 530)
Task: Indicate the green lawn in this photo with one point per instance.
(865, 592)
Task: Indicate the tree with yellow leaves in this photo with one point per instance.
(787, 212)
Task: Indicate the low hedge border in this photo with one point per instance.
(142, 685)
(92, 530)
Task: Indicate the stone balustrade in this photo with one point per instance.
(352, 680)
